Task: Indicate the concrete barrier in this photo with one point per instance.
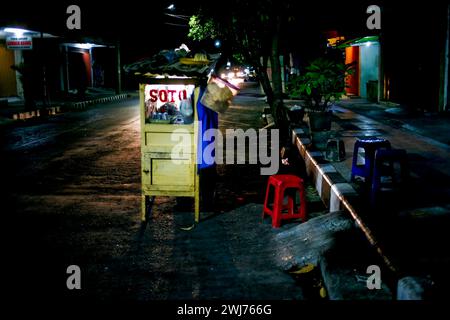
(337, 195)
(332, 187)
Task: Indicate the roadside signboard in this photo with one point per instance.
(19, 43)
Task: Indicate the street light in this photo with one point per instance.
(176, 16)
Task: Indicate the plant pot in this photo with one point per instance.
(296, 115)
(320, 139)
(319, 121)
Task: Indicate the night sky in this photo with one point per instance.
(144, 27)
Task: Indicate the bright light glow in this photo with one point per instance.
(223, 75)
(171, 7)
(16, 31)
(83, 45)
(236, 81)
(368, 44)
(217, 43)
(170, 77)
(231, 75)
(228, 63)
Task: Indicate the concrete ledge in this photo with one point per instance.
(307, 242)
(333, 243)
(345, 276)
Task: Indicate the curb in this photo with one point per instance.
(337, 194)
(70, 106)
(334, 190)
(332, 187)
(84, 104)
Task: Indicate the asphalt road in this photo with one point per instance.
(71, 196)
(71, 189)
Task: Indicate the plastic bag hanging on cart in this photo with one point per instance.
(218, 94)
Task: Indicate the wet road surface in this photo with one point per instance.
(71, 195)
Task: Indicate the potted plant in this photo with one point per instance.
(322, 84)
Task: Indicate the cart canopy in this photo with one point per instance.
(174, 63)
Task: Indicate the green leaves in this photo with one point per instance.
(308, 90)
(201, 29)
(323, 82)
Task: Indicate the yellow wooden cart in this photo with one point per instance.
(166, 172)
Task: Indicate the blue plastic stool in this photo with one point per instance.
(380, 170)
(370, 146)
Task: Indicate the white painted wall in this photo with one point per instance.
(369, 57)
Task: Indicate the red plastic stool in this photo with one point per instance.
(280, 183)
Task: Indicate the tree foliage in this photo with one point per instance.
(201, 29)
(253, 29)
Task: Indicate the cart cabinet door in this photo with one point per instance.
(161, 172)
(167, 172)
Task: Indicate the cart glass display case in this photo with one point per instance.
(169, 103)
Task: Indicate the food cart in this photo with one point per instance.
(169, 93)
(162, 174)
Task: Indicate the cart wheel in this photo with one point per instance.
(149, 200)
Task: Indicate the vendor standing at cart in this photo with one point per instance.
(216, 97)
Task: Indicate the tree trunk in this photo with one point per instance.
(277, 105)
(261, 72)
(264, 81)
(274, 91)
